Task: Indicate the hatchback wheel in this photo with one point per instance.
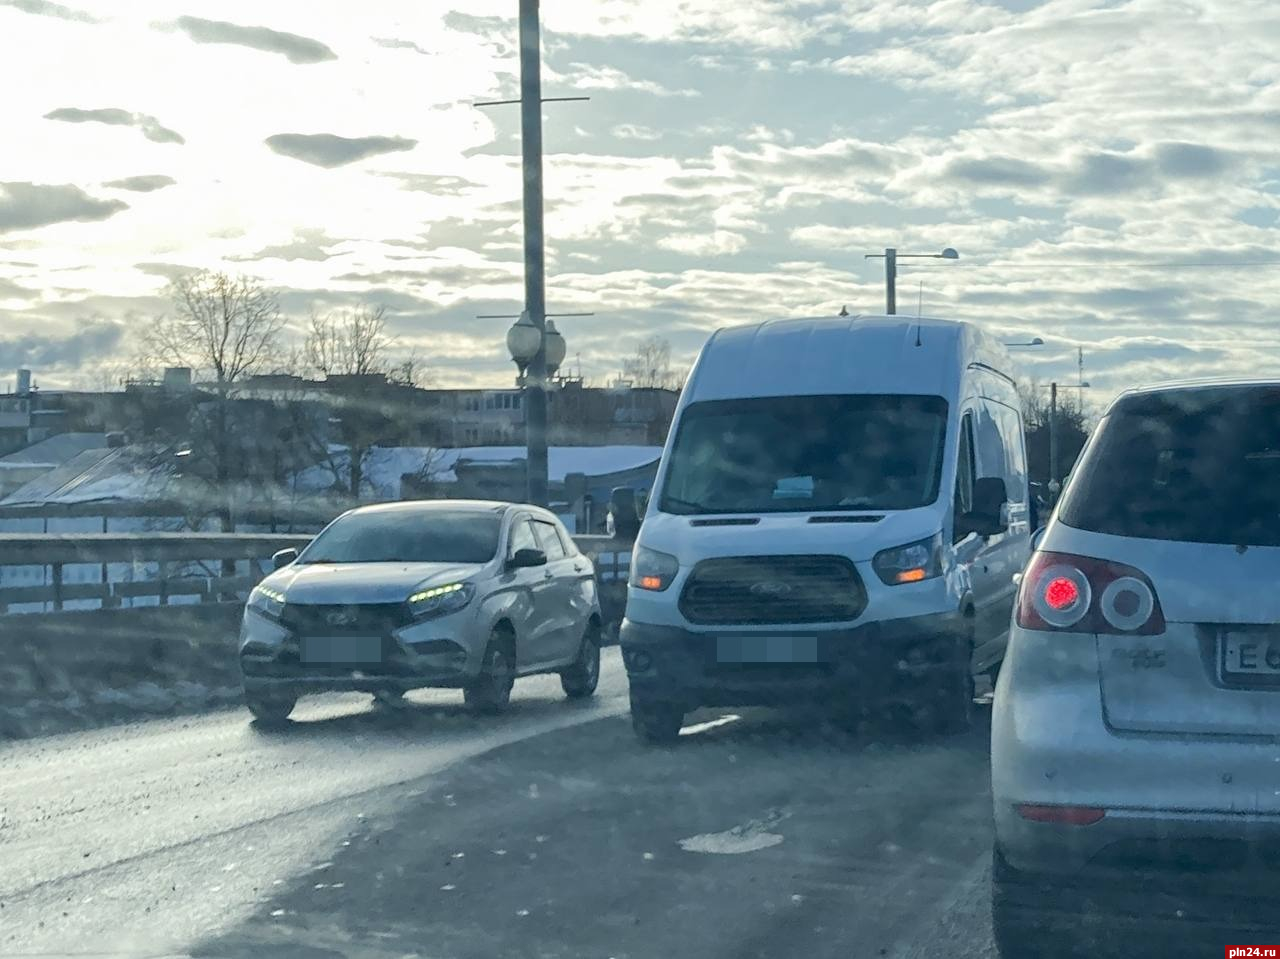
(491, 690)
(1020, 912)
(580, 680)
(270, 707)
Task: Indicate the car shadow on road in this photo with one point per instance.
(416, 717)
(812, 729)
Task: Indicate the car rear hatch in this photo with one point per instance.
(1184, 486)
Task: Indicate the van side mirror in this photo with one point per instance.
(626, 514)
(987, 518)
(282, 558)
(525, 558)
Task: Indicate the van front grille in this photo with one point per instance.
(751, 590)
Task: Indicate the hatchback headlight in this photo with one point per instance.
(912, 563)
(441, 600)
(652, 570)
(267, 602)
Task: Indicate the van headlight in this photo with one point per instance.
(267, 602)
(652, 570)
(912, 563)
(441, 600)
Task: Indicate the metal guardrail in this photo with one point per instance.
(164, 563)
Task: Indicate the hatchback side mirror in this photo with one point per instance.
(284, 557)
(525, 558)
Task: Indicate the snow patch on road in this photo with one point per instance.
(748, 837)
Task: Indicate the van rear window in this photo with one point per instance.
(1198, 466)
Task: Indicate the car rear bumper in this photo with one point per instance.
(872, 663)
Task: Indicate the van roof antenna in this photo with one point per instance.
(844, 311)
(918, 343)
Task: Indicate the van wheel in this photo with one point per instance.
(656, 721)
(580, 680)
(490, 692)
(952, 703)
(270, 707)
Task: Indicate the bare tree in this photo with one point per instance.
(1073, 428)
(354, 348)
(348, 343)
(650, 366)
(225, 329)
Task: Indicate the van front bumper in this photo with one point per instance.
(871, 664)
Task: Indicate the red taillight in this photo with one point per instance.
(1086, 595)
(1064, 815)
(1061, 593)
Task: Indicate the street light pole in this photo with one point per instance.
(534, 251)
(891, 257)
(891, 281)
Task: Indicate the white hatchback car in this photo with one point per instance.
(1136, 728)
(407, 595)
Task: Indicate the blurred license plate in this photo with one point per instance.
(1250, 654)
(767, 649)
(342, 649)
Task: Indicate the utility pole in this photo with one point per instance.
(891, 281)
(1053, 437)
(535, 295)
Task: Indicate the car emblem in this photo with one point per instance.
(772, 590)
(342, 617)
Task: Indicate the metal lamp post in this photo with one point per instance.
(891, 257)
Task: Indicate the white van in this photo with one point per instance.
(839, 512)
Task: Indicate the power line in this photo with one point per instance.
(1127, 264)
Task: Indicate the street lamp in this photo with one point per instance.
(891, 257)
(1035, 342)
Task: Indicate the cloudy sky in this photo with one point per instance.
(1109, 171)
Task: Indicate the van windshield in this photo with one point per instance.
(1196, 466)
(806, 453)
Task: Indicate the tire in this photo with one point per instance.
(270, 707)
(952, 703)
(1021, 926)
(656, 721)
(389, 699)
(490, 692)
(580, 680)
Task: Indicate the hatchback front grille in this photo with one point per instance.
(364, 619)
(749, 590)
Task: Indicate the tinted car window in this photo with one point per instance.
(1200, 466)
(549, 541)
(398, 536)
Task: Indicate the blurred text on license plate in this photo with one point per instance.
(342, 649)
(767, 649)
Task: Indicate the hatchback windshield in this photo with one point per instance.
(1199, 466)
(805, 453)
(394, 536)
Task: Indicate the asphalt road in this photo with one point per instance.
(546, 832)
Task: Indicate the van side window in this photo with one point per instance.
(964, 467)
(1010, 464)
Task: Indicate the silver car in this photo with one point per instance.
(400, 596)
(1136, 727)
